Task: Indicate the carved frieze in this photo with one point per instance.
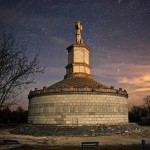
(79, 109)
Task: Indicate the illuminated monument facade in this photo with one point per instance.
(78, 99)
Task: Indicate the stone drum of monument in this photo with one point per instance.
(78, 99)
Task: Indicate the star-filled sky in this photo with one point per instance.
(117, 31)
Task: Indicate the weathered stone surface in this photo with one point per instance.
(85, 108)
(78, 60)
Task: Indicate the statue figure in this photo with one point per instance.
(79, 28)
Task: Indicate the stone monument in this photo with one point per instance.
(78, 99)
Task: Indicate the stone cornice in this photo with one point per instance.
(78, 74)
(74, 90)
(78, 45)
(77, 63)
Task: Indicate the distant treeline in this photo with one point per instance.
(18, 116)
(139, 114)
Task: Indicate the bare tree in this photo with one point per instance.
(146, 100)
(16, 70)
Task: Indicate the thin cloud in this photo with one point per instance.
(135, 80)
(142, 89)
(143, 80)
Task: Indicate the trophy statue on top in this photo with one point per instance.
(79, 28)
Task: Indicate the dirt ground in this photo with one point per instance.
(101, 147)
(62, 141)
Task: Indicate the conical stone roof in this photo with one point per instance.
(77, 82)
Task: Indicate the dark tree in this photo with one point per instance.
(146, 100)
(135, 114)
(18, 116)
(16, 70)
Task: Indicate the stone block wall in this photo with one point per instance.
(78, 59)
(80, 108)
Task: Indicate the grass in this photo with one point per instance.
(103, 147)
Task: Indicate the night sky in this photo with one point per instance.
(117, 31)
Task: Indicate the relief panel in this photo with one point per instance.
(80, 109)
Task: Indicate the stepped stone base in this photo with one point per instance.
(97, 130)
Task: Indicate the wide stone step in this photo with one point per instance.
(99, 130)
